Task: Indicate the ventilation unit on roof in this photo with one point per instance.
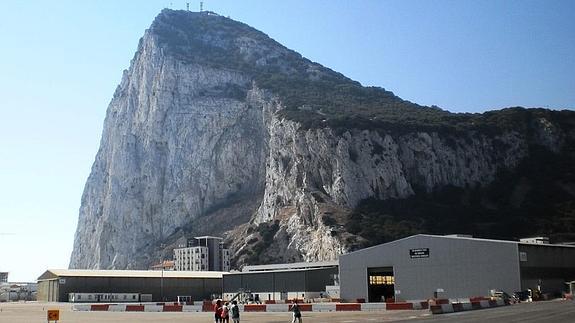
(536, 240)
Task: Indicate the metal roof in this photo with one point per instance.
(56, 273)
(295, 265)
(209, 237)
(291, 270)
(463, 237)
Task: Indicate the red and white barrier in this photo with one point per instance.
(438, 306)
(372, 307)
(459, 307)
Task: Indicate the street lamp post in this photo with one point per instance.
(162, 276)
(162, 282)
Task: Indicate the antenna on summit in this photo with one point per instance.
(187, 6)
(201, 6)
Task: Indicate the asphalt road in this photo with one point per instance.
(558, 311)
(552, 311)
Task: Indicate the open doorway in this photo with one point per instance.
(381, 284)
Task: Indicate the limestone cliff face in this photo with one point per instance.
(197, 134)
(175, 144)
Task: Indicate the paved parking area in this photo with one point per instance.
(552, 311)
(36, 312)
(557, 311)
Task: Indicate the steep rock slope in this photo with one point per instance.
(217, 127)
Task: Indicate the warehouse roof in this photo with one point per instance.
(56, 273)
(279, 271)
(295, 265)
(465, 237)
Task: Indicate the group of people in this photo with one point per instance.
(223, 311)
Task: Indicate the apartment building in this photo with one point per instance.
(202, 254)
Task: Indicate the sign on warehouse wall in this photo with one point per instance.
(419, 253)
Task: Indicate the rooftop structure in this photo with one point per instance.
(291, 266)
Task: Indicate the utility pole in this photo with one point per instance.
(162, 276)
(162, 282)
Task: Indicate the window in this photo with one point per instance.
(381, 280)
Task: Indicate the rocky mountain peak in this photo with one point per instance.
(216, 129)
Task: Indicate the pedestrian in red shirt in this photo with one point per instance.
(218, 312)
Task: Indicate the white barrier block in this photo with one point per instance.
(323, 307)
(372, 307)
(500, 302)
(191, 308)
(117, 307)
(81, 307)
(277, 307)
(447, 308)
(153, 308)
(467, 306)
(484, 304)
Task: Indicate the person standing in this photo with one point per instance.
(226, 313)
(218, 311)
(235, 312)
(296, 311)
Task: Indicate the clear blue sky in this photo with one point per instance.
(60, 62)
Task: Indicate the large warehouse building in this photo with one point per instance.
(283, 281)
(55, 285)
(424, 266)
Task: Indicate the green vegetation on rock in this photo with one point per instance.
(535, 199)
(313, 95)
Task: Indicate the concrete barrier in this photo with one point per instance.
(347, 307)
(255, 307)
(81, 307)
(302, 307)
(420, 305)
(459, 307)
(134, 308)
(277, 307)
(373, 307)
(172, 308)
(323, 307)
(153, 308)
(315, 307)
(192, 308)
(117, 308)
(399, 306)
(99, 307)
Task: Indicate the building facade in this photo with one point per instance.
(55, 285)
(283, 281)
(3, 277)
(191, 258)
(202, 254)
(425, 266)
